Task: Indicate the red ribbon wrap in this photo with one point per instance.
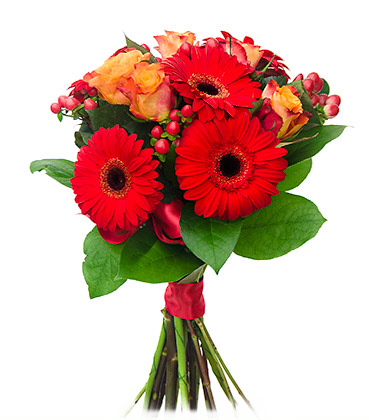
(185, 301)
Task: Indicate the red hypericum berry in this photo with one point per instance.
(145, 46)
(331, 110)
(173, 128)
(62, 99)
(89, 104)
(318, 82)
(314, 99)
(71, 103)
(187, 111)
(55, 108)
(157, 131)
(92, 92)
(308, 85)
(185, 48)
(213, 43)
(323, 99)
(298, 77)
(333, 99)
(173, 115)
(162, 146)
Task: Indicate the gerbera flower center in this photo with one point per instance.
(208, 86)
(231, 168)
(115, 179)
(229, 165)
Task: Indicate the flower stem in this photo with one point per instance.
(171, 393)
(137, 399)
(203, 369)
(154, 368)
(182, 362)
(211, 345)
(154, 400)
(193, 371)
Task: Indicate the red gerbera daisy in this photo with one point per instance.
(214, 80)
(114, 181)
(229, 167)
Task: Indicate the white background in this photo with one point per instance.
(293, 330)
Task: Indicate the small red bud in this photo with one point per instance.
(145, 46)
(92, 92)
(331, 110)
(323, 99)
(318, 82)
(308, 85)
(162, 146)
(186, 48)
(71, 103)
(213, 43)
(173, 128)
(333, 99)
(89, 104)
(157, 131)
(298, 77)
(314, 99)
(173, 115)
(187, 111)
(62, 99)
(55, 108)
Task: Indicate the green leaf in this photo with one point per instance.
(295, 174)
(316, 139)
(273, 231)
(146, 258)
(101, 265)
(132, 44)
(325, 88)
(210, 239)
(60, 169)
(281, 80)
(108, 115)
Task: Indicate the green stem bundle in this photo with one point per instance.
(180, 363)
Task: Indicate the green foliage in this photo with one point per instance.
(101, 265)
(325, 88)
(108, 115)
(295, 174)
(59, 169)
(210, 239)
(146, 258)
(312, 142)
(273, 231)
(132, 44)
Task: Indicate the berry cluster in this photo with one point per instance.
(161, 137)
(313, 84)
(81, 97)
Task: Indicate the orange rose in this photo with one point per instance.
(149, 91)
(169, 43)
(114, 73)
(285, 102)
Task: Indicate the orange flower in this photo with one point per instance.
(169, 43)
(285, 102)
(114, 73)
(150, 92)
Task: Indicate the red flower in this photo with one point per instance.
(114, 182)
(166, 222)
(247, 52)
(230, 168)
(213, 80)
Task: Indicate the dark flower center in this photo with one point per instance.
(116, 178)
(207, 88)
(229, 165)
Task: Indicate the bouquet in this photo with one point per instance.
(185, 157)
